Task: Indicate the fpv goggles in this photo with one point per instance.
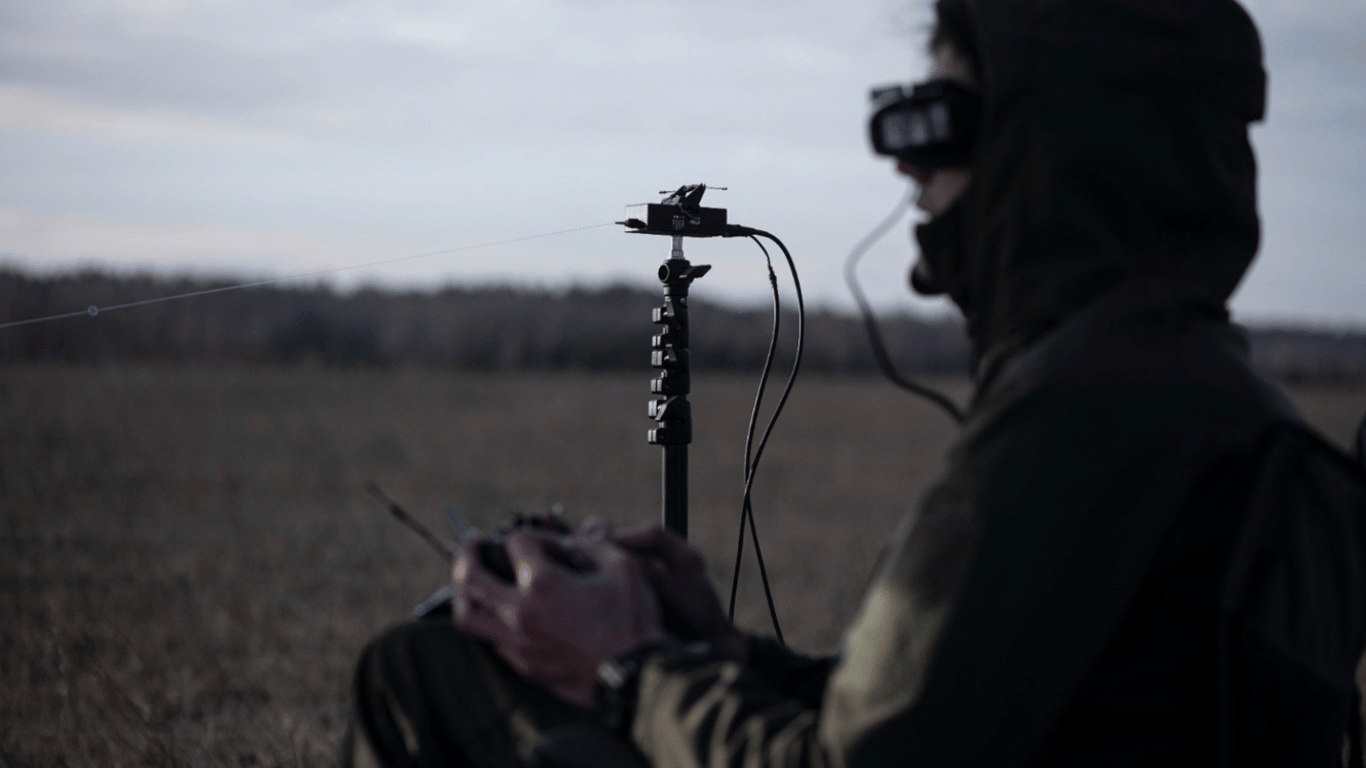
(931, 125)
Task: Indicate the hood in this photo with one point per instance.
(1114, 144)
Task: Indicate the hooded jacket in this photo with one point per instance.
(1113, 144)
(1050, 600)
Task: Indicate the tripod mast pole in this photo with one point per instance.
(679, 215)
(670, 407)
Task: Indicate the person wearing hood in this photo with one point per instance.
(1055, 598)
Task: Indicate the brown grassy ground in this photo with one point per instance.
(189, 564)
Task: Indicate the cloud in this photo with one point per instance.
(70, 241)
(26, 109)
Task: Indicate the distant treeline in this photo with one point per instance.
(484, 328)
(496, 329)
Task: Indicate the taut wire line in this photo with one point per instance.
(94, 311)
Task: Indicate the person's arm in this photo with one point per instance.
(692, 612)
(998, 596)
(691, 712)
(793, 674)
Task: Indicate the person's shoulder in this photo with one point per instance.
(1167, 365)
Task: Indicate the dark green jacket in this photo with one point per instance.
(1051, 600)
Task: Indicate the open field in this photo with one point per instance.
(189, 563)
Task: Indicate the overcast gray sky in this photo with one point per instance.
(258, 138)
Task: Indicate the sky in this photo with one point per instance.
(256, 139)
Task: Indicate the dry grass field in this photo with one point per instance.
(189, 563)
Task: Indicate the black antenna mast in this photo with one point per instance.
(678, 215)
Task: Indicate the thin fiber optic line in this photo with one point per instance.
(95, 311)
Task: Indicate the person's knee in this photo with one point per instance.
(406, 653)
(426, 693)
(407, 685)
